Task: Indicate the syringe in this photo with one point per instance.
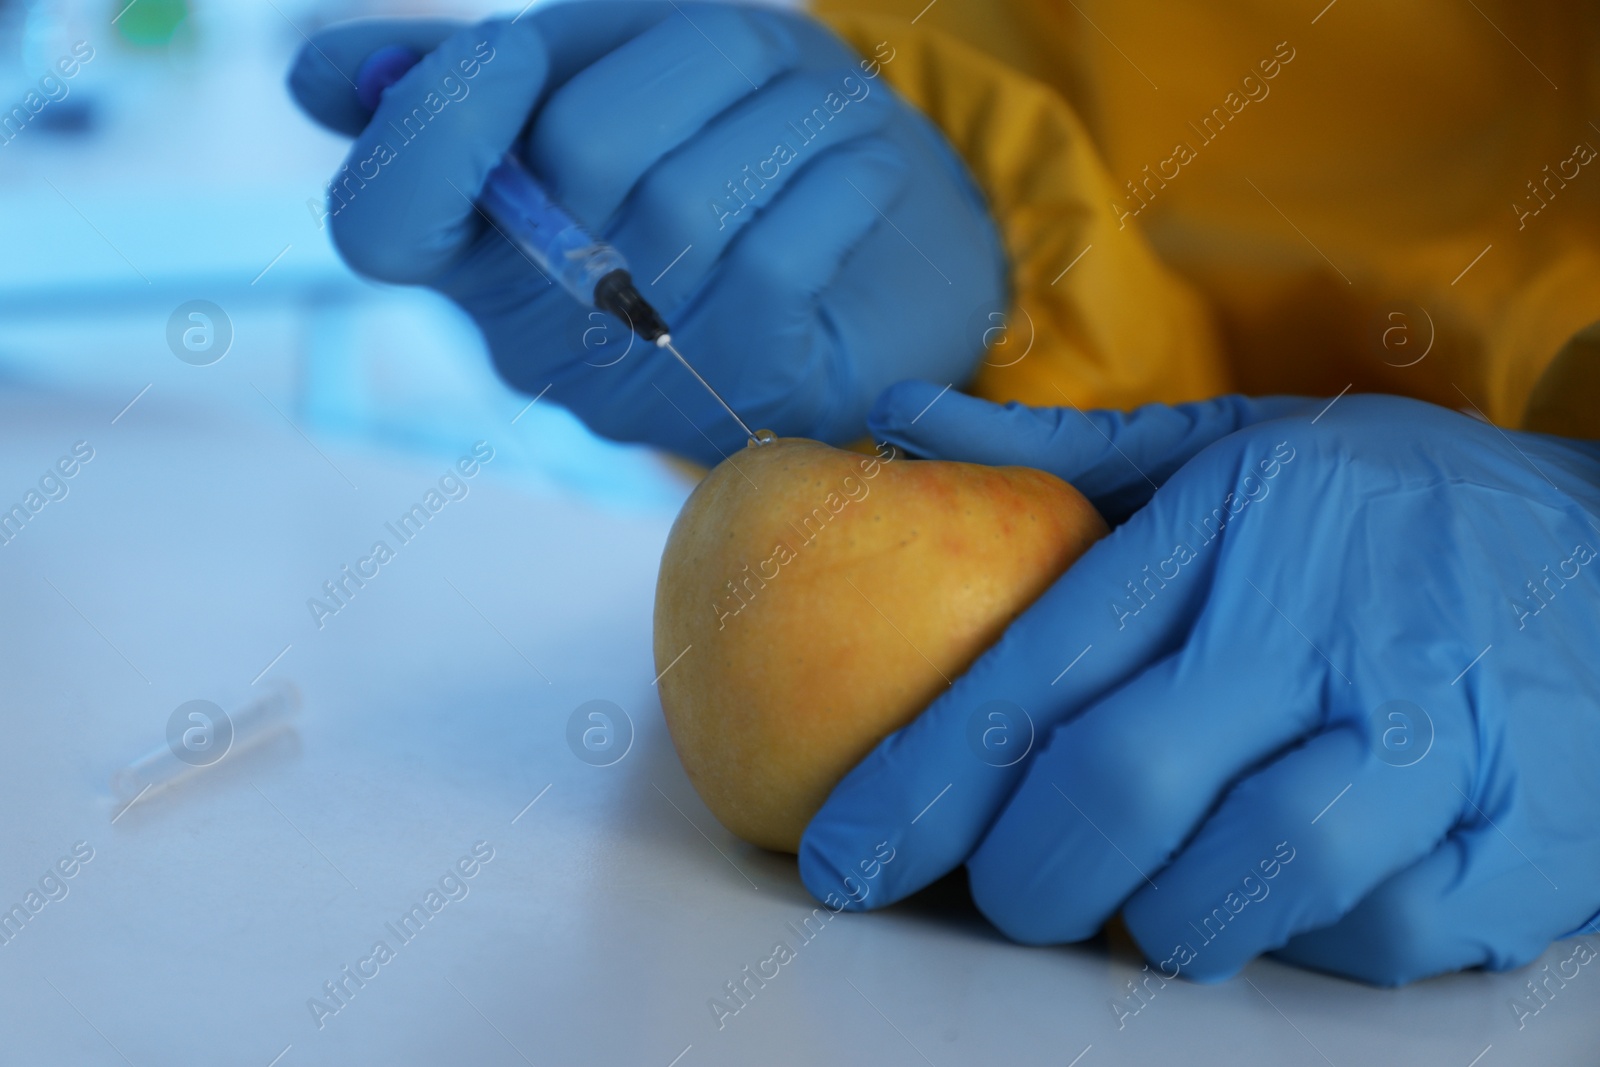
(200, 734)
(588, 268)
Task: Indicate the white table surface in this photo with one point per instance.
(614, 909)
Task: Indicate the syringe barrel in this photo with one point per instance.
(545, 233)
(248, 724)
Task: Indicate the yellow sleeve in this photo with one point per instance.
(1097, 319)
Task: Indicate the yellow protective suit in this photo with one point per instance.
(1270, 196)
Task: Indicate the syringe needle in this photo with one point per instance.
(665, 341)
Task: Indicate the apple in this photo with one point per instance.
(812, 601)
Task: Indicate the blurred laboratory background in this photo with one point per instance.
(172, 166)
(170, 304)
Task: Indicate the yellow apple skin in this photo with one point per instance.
(812, 601)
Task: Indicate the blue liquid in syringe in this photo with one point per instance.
(545, 233)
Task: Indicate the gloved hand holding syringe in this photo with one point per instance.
(557, 244)
(813, 280)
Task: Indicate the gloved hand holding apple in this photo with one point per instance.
(1303, 699)
(1358, 633)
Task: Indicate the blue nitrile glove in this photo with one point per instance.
(808, 236)
(1332, 690)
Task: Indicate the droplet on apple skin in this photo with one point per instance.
(762, 437)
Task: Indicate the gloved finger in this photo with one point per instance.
(1434, 916)
(927, 788)
(772, 274)
(670, 211)
(1117, 790)
(402, 209)
(578, 34)
(599, 133)
(322, 78)
(1117, 459)
(790, 253)
(1296, 846)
